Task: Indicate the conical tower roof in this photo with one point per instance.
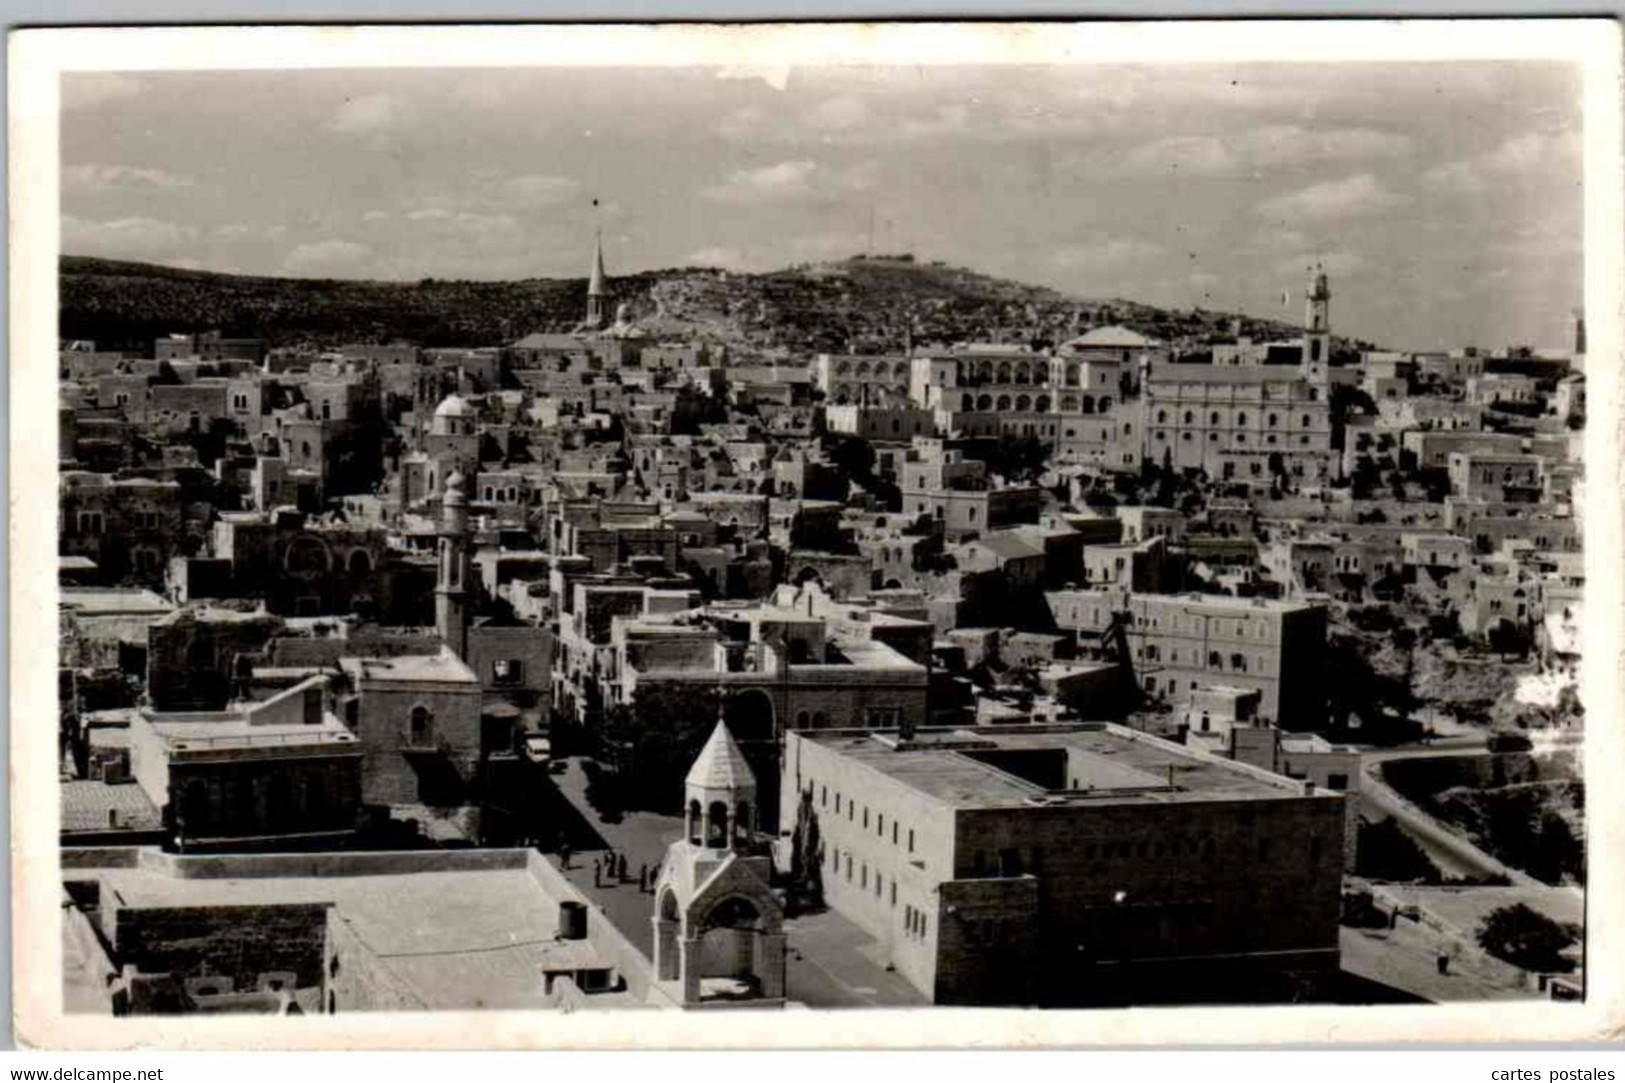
(721, 766)
(596, 282)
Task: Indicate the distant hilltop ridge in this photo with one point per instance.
(862, 305)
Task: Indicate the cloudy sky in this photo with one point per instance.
(1444, 199)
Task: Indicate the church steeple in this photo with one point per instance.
(720, 794)
(597, 284)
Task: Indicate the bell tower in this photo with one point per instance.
(718, 926)
(451, 584)
(1317, 321)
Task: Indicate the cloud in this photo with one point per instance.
(87, 90)
(323, 258)
(1288, 144)
(132, 236)
(101, 178)
(494, 230)
(1190, 153)
(243, 231)
(1527, 157)
(839, 114)
(1271, 146)
(714, 256)
(1107, 254)
(539, 189)
(1352, 197)
(370, 114)
(790, 181)
(777, 78)
(1334, 263)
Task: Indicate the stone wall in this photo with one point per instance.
(241, 942)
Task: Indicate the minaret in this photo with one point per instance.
(451, 586)
(597, 285)
(1317, 323)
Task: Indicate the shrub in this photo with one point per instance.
(1527, 938)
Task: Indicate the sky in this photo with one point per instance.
(1444, 199)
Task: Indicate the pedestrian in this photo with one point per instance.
(1444, 963)
(620, 871)
(597, 874)
(564, 854)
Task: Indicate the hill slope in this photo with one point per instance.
(864, 304)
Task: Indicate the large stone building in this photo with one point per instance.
(1073, 865)
(1184, 642)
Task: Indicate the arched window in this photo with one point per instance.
(1213, 418)
(1189, 417)
(1105, 403)
(422, 722)
(716, 825)
(1274, 420)
(1088, 404)
(1162, 416)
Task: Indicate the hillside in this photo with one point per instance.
(858, 304)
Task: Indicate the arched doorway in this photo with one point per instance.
(666, 926)
(728, 935)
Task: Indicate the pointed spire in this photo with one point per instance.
(596, 286)
(721, 766)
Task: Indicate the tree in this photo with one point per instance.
(1507, 638)
(653, 742)
(1383, 851)
(1527, 938)
(807, 855)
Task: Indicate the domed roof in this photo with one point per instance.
(454, 406)
(1114, 335)
(721, 766)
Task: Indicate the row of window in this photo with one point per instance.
(1152, 652)
(880, 817)
(1241, 438)
(1272, 421)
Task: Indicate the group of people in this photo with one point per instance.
(612, 868)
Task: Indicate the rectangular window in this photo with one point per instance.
(894, 889)
(863, 875)
(894, 832)
(911, 840)
(823, 796)
(880, 824)
(866, 817)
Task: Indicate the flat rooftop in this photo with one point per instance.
(1105, 764)
(207, 734)
(114, 600)
(458, 939)
(443, 666)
